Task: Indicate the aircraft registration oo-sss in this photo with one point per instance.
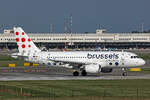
(82, 62)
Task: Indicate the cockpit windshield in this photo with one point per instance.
(132, 57)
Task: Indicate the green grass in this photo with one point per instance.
(74, 89)
(145, 56)
(146, 70)
(5, 60)
(82, 98)
(17, 62)
(77, 88)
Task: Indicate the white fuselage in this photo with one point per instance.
(104, 58)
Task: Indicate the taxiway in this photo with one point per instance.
(51, 73)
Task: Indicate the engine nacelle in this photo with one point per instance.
(59, 63)
(106, 70)
(93, 68)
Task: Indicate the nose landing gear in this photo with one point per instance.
(124, 72)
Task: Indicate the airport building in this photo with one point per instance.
(99, 39)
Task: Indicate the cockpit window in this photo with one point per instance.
(134, 57)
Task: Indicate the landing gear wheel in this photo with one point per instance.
(124, 74)
(83, 73)
(76, 73)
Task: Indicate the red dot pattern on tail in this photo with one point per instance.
(29, 46)
(23, 39)
(22, 33)
(29, 40)
(17, 39)
(18, 46)
(17, 33)
(23, 46)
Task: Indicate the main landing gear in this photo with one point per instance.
(83, 73)
(76, 73)
(124, 72)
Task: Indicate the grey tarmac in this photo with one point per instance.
(57, 73)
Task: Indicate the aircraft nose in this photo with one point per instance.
(142, 62)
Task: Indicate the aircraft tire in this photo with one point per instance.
(76, 73)
(83, 73)
(124, 74)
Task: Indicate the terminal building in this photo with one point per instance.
(99, 39)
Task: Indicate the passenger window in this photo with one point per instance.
(134, 56)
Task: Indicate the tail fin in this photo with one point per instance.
(24, 43)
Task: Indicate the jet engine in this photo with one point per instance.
(93, 68)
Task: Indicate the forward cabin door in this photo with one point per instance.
(123, 61)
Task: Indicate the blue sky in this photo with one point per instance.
(37, 15)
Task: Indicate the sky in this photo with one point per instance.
(87, 15)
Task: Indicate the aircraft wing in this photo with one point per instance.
(74, 64)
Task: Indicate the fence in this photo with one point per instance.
(14, 91)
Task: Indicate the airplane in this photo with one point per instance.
(82, 61)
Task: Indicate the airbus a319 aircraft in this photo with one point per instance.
(83, 61)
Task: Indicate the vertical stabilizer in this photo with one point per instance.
(24, 43)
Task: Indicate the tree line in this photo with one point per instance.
(145, 31)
